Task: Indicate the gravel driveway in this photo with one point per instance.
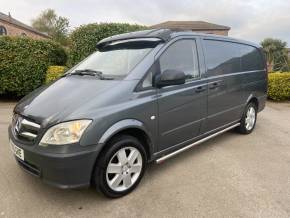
(230, 176)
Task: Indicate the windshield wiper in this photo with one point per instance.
(88, 72)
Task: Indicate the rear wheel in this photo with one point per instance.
(120, 167)
(249, 119)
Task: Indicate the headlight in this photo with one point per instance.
(65, 133)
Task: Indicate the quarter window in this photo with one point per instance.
(251, 58)
(148, 80)
(3, 31)
(181, 56)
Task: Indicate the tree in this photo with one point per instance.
(55, 26)
(276, 54)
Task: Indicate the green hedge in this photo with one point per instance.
(24, 61)
(279, 86)
(54, 72)
(84, 39)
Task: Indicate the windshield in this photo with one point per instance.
(116, 59)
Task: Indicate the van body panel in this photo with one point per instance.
(54, 103)
(172, 117)
(181, 109)
(181, 112)
(138, 106)
(228, 84)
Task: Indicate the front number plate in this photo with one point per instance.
(18, 152)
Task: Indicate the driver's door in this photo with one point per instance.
(181, 108)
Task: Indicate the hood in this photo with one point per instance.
(60, 100)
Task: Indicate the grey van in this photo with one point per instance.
(141, 97)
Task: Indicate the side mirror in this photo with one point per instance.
(169, 78)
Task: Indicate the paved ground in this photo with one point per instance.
(230, 176)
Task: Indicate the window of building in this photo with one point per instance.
(3, 31)
(181, 56)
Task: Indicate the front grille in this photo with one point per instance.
(24, 129)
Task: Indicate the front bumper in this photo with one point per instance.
(63, 170)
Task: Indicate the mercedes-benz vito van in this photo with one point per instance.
(141, 97)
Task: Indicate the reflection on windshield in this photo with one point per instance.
(115, 62)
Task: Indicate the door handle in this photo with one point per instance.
(200, 89)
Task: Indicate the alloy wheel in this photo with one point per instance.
(250, 118)
(124, 169)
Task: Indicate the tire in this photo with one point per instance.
(249, 118)
(120, 167)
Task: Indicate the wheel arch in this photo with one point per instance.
(254, 99)
(131, 127)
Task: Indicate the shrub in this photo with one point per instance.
(279, 86)
(24, 61)
(54, 72)
(84, 39)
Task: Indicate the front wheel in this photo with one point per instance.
(249, 119)
(121, 167)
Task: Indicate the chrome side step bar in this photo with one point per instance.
(195, 143)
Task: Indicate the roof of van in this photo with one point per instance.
(166, 35)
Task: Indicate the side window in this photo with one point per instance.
(251, 58)
(222, 57)
(147, 82)
(182, 56)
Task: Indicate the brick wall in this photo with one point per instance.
(13, 30)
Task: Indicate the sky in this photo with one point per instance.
(251, 20)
